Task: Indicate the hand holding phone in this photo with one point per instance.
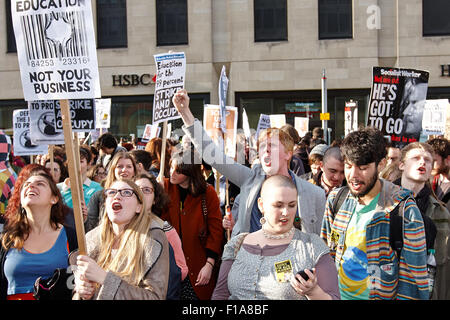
(303, 274)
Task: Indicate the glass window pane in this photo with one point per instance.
(111, 23)
(171, 22)
(10, 38)
(435, 17)
(270, 20)
(335, 19)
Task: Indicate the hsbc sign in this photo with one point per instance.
(132, 80)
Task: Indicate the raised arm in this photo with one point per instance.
(211, 154)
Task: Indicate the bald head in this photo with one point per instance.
(333, 152)
(276, 181)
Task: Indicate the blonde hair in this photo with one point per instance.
(285, 139)
(129, 261)
(111, 176)
(391, 172)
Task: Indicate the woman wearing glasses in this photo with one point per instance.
(97, 173)
(128, 253)
(122, 166)
(156, 200)
(191, 197)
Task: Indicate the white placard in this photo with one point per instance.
(212, 125)
(434, 117)
(102, 113)
(301, 124)
(277, 120)
(22, 139)
(170, 76)
(43, 124)
(147, 132)
(245, 124)
(263, 123)
(56, 49)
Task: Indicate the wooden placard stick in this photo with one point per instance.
(50, 154)
(217, 175)
(73, 176)
(78, 163)
(163, 152)
(227, 207)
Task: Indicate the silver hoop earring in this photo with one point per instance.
(262, 220)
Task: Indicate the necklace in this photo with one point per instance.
(278, 236)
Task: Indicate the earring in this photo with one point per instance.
(262, 220)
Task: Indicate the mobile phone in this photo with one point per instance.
(303, 274)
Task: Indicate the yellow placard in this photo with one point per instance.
(325, 116)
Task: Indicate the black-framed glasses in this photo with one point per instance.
(100, 173)
(123, 192)
(147, 190)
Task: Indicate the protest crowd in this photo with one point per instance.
(275, 213)
(307, 219)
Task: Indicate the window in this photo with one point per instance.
(435, 20)
(111, 23)
(270, 20)
(171, 22)
(335, 19)
(10, 38)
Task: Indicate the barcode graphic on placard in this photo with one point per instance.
(54, 35)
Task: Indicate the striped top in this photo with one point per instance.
(390, 277)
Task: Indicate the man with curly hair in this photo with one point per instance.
(358, 234)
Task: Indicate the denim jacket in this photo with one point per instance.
(390, 277)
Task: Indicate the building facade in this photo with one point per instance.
(275, 53)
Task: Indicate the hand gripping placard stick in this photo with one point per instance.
(72, 154)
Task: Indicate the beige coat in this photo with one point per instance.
(153, 286)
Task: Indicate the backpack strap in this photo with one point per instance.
(396, 228)
(339, 199)
(446, 198)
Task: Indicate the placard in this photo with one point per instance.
(350, 117)
(82, 115)
(263, 123)
(43, 124)
(301, 124)
(22, 138)
(102, 113)
(277, 120)
(211, 123)
(56, 49)
(170, 76)
(396, 104)
(434, 117)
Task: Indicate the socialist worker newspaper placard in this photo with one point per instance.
(56, 49)
(396, 103)
(170, 76)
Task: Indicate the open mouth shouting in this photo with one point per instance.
(116, 206)
(422, 170)
(267, 161)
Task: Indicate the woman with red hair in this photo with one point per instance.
(35, 240)
(154, 147)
